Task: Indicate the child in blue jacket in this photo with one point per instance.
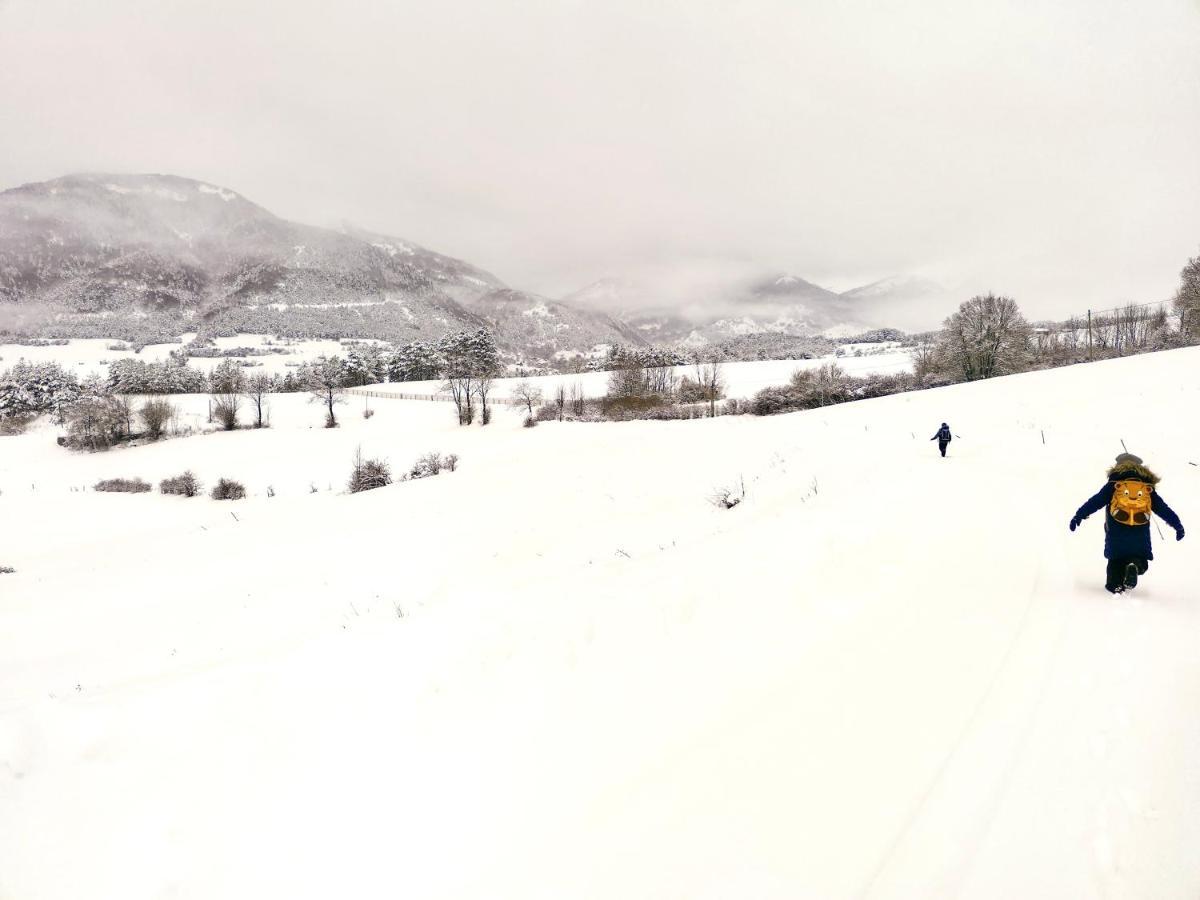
(1127, 538)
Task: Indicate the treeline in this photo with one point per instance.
(987, 336)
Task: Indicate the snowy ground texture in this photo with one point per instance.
(559, 672)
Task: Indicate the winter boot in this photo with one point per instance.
(1131, 574)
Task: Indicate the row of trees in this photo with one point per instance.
(641, 378)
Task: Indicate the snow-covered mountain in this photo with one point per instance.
(160, 242)
(724, 310)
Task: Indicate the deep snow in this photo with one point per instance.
(561, 672)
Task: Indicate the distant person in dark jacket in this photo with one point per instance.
(942, 437)
(1128, 497)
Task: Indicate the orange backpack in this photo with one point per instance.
(1131, 502)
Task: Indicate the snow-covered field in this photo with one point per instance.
(560, 672)
(92, 355)
(742, 379)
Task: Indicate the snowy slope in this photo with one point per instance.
(882, 675)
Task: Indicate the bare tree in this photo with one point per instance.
(560, 399)
(709, 371)
(528, 394)
(256, 389)
(1187, 299)
(577, 399)
(325, 378)
(226, 383)
(122, 405)
(483, 387)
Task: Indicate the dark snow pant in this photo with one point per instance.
(1116, 571)
(942, 445)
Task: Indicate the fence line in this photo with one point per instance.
(443, 398)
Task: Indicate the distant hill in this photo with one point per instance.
(544, 327)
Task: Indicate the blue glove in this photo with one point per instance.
(1075, 522)
(1179, 533)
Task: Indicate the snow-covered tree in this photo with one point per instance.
(470, 361)
(256, 389)
(36, 388)
(417, 361)
(527, 393)
(366, 364)
(987, 336)
(325, 378)
(1187, 299)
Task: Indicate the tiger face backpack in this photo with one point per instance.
(1131, 502)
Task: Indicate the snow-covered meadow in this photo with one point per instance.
(742, 379)
(560, 671)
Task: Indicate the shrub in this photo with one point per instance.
(369, 474)
(225, 410)
(185, 485)
(227, 489)
(122, 485)
(7, 570)
(530, 422)
(630, 406)
(368, 412)
(94, 423)
(432, 464)
(155, 415)
(427, 465)
(10, 426)
(547, 412)
(728, 497)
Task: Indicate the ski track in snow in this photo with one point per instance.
(560, 672)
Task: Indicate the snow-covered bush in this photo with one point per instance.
(7, 570)
(369, 474)
(155, 415)
(530, 422)
(122, 486)
(432, 464)
(94, 423)
(225, 410)
(185, 485)
(728, 497)
(15, 424)
(228, 489)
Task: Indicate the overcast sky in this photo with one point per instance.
(1046, 150)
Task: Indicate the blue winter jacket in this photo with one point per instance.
(1128, 541)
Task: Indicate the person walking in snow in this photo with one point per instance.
(942, 437)
(1130, 495)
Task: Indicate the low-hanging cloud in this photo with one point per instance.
(1046, 151)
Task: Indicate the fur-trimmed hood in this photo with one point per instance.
(1138, 472)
